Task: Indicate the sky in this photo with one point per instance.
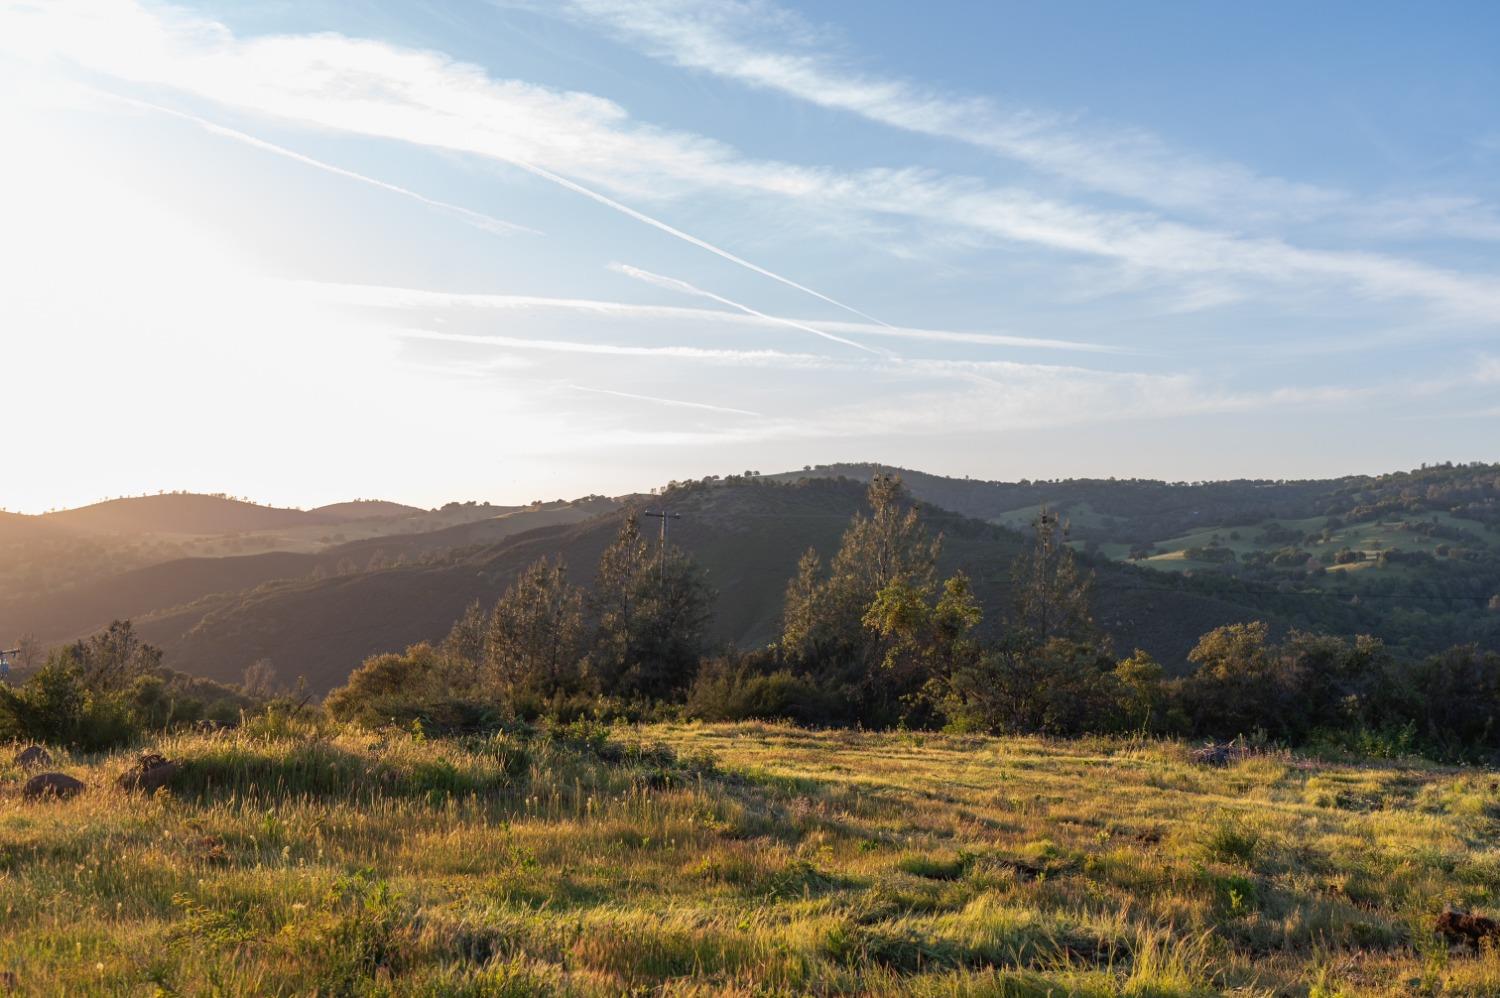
(532, 249)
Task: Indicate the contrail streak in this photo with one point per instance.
(392, 297)
(662, 401)
(608, 202)
(487, 222)
(673, 284)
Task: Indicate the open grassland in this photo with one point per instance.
(741, 859)
(1370, 538)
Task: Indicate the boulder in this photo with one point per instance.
(32, 756)
(1458, 926)
(1221, 754)
(150, 772)
(51, 785)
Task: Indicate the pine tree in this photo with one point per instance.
(534, 641)
(1052, 595)
(824, 622)
(651, 613)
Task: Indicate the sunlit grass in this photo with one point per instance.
(748, 859)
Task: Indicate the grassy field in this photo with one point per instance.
(744, 859)
(1369, 537)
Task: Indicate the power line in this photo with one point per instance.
(664, 516)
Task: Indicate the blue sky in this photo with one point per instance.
(309, 251)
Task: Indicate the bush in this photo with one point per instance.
(726, 690)
(58, 706)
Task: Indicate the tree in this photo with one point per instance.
(924, 639)
(1052, 595)
(260, 681)
(824, 624)
(111, 660)
(1059, 688)
(535, 637)
(1143, 691)
(466, 638)
(650, 613)
(30, 652)
(803, 627)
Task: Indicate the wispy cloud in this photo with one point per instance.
(772, 48)
(679, 403)
(374, 88)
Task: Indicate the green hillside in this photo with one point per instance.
(747, 534)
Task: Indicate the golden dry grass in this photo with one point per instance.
(749, 859)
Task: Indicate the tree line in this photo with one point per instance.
(874, 637)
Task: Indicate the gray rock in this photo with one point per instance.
(150, 772)
(51, 785)
(32, 756)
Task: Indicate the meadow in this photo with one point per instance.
(297, 857)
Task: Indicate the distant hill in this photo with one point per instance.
(17, 528)
(138, 591)
(181, 513)
(365, 509)
(1411, 557)
(747, 535)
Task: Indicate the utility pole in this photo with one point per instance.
(663, 516)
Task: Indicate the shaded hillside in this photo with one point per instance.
(1411, 556)
(155, 588)
(1144, 510)
(1119, 510)
(747, 535)
(181, 513)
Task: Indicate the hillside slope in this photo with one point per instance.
(181, 513)
(746, 535)
(156, 588)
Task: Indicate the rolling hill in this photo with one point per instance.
(1410, 557)
(366, 509)
(182, 513)
(139, 591)
(747, 535)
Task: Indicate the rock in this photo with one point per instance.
(51, 785)
(150, 772)
(1458, 926)
(1220, 754)
(32, 756)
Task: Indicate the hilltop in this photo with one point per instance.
(181, 513)
(366, 509)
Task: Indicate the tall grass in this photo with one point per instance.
(301, 858)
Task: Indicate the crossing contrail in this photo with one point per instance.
(609, 202)
(487, 222)
(662, 401)
(673, 284)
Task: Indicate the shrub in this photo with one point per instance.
(726, 691)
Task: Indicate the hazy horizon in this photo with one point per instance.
(517, 500)
(508, 250)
